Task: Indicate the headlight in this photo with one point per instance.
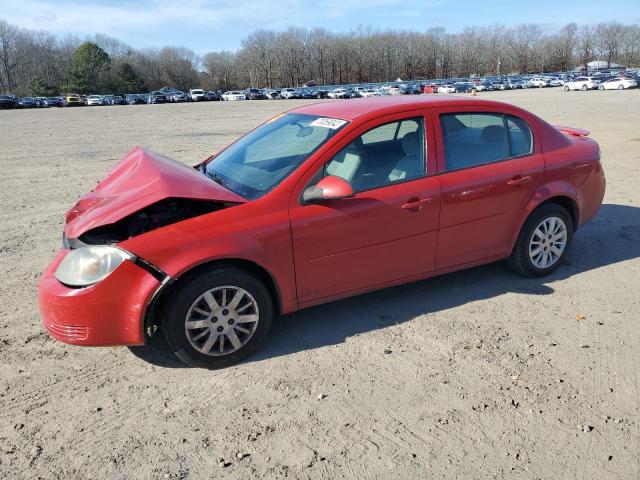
(88, 265)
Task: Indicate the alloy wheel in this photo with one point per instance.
(548, 242)
(221, 320)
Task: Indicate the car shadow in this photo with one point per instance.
(334, 322)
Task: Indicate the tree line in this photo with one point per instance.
(38, 63)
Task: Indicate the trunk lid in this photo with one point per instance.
(140, 179)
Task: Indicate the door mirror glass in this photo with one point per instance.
(329, 188)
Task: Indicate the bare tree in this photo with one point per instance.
(295, 56)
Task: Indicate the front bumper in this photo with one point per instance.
(111, 312)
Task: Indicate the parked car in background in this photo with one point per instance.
(40, 101)
(289, 93)
(73, 100)
(53, 102)
(177, 97)
(539, 82)
(211, 96)
(338, 93)
(156, 97)
(94, 100)
(8, 101)
(462, 87)
(394, 90)
(135, 99)
(271, 94)
(254, 94)
(446, 88)
(27, 102)
(155, 245)
(196, 95)
(233, 95)
(618, 84)
(115, 100)
(582, 83)
(369, 92)
(555, 82)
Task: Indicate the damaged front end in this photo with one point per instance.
(160, 214)
(94, 284)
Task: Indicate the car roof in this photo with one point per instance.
(354, 108)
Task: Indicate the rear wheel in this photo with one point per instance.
(584, 88)
(566, 88)
(543, 242)
(620, 87)
(218, 318)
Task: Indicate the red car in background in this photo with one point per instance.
(320, 203)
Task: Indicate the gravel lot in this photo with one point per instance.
(477, 374)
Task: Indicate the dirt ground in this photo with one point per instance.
(478, 374)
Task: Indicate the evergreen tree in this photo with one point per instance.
(89, 61)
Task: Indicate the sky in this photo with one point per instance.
(206, 25)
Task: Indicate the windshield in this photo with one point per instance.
(259, 161)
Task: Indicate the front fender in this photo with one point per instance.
(245, 232)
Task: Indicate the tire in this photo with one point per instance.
(523, 255)
(601, 87)
(584, 88)
(620, 87)
(566, 88)
(185, 305)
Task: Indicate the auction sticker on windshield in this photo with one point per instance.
(332, 123)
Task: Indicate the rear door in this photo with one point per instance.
(490, 165)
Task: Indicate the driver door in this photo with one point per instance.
(387, 232)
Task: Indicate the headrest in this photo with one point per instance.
(411, 144)
(493, 134)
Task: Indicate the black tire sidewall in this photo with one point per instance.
(176, 308)
(520, 259)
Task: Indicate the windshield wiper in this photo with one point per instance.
(216, 178)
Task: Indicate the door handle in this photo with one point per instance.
(417, 203)
(518, 180)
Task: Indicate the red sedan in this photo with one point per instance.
(323, 202)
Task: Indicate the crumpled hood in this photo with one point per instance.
(140, 179)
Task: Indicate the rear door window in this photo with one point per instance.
(472, 139)
(520, 138)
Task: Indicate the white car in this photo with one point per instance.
(369, 92)
(288, 93)
(446, 88)
(233, 95)
(196, 95)
(618, 84)
(95, 100)
(337, 93)
(582, 83)
(539, 82)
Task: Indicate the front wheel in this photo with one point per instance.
(601, 87)
(584, 88)
(566, 88)
(218, 318)
(620, 87)
(543, 242)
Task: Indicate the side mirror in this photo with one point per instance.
(329, 188)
